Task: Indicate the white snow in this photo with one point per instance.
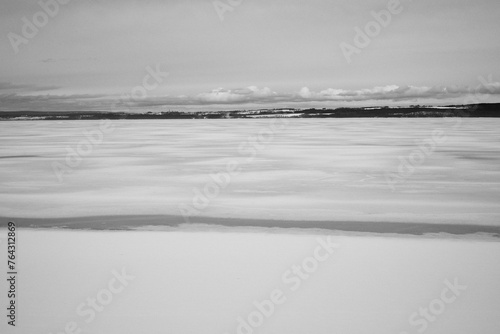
(328, 169)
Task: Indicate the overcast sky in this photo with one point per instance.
(92, 54)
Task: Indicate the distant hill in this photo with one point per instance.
(473, 110)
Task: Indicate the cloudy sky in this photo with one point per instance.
(227, 54)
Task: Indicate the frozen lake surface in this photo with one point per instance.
(388, 170)
(190, 281)
(206, 279)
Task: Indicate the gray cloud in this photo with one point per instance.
(17, 88)
(48, 102)
(259, 44)
(251, 95)
(57, 60)
(255, 95)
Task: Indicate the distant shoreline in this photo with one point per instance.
(471, 110)
(124, 223)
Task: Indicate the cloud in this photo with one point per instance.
(266, 96)
(56, 60)
(251, 95)
(17, 88)
(50, 102)
(394, 93)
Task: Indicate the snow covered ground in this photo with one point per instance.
(190, 281)
(392, 170)
(229, 280)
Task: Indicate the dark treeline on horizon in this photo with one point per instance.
(476, 110)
